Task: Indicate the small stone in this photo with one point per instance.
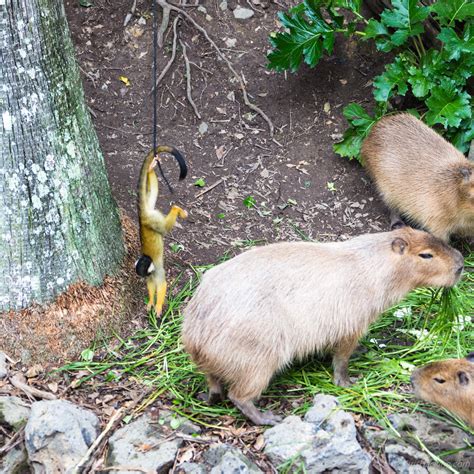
(3, 366)
(203, 128)
(146, 443)
(223, 5)
(191, 468)
(202, 9)
(224, 459)
(407, 459)
(230, 42)
(142, 21)
(241, 13)
(58, 434)
(13, 412)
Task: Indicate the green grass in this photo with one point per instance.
(428, 325)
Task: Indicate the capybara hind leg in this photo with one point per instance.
(216, 390)
(250, 411)
(396, 221)
(340, 360)
(248, 388)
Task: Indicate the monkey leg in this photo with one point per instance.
(340, 360)
(160, 297)
(151, 285)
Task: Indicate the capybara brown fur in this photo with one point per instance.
(448, 383)
(254, 314)
(421, 176)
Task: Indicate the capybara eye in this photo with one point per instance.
(439, 380)
(425, 255)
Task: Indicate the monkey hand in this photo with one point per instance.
(153, 164)
(181, 212)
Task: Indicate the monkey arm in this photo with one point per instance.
(160, 223)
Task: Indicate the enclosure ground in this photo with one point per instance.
(300, 188)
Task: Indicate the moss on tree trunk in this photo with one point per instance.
(58, 220)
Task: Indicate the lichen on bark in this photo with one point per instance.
(58, 220)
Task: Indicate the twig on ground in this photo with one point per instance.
(118, 415)
(16, 439)
(188, 80)
(173, 54)
(130, 14)
(163, 4)
(210, 188)
(164, 23)
(127, 468)
(33, 392)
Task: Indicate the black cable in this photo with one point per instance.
(155, 88)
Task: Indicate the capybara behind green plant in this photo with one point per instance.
(254, 314)
(421, 176)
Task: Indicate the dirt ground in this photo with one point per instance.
(288, 177)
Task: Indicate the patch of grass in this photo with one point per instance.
(428, 325)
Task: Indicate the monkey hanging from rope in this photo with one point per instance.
(154, 226)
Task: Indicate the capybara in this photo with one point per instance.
(254, 314)
(421, 176)
(448, 383)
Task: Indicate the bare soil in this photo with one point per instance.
(288, 177)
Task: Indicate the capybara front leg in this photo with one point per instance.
(340, 361)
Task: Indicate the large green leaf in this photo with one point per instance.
(306, 40)
(392, 82)
(448, 11)
(406, 17)
(448, 105)
(455, 46)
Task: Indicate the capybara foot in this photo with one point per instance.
(254, 415)
(342, 380)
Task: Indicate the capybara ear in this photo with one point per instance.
(463, 378)
(470, 357)
(399, 245)
(465, 173)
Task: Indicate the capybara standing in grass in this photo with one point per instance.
(254, 314)
(448, 383)
(421, 176)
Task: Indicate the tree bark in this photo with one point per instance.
(58, 221)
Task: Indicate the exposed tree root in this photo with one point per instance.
(173, 53)
(166, 10)
(188, 81)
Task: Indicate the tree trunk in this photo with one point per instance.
(58, 220)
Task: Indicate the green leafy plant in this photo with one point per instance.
(435, 77)
(200, 182)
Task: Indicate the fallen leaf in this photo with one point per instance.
(124, 80)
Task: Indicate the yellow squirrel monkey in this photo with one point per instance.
(154, 226)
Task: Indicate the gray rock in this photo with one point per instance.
(15, 461)
(191, 468)
(407, 459)
(58, 434)
(470, 156)
(127, 445)
(243, 13)
(325, 441)
(3, 366)
(438, 436)
(14, 412)
(224, 459)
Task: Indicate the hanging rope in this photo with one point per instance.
(155, 89)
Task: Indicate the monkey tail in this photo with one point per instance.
(183, 169)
